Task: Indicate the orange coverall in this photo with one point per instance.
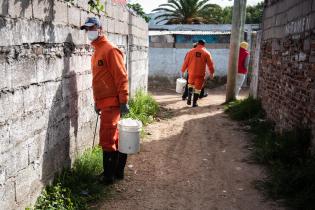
(196, 61)
(110, 89)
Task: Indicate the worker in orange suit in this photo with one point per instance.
(195, 62)
(110, 91)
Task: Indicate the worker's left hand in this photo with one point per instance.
(124, 109)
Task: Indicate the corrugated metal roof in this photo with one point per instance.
(158, 33)
(200, 27)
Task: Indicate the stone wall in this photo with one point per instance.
(46, 103)
(287, 63)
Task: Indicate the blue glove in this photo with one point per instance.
(124, 109)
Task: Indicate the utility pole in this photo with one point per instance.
(243, 19)
(234, 48)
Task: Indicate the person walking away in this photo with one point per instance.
(242, 67)
(110, 91)
(195, 62)
(186, 76)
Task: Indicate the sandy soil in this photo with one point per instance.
(192, 158)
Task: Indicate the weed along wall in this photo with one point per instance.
(287, 63)
(46, 104)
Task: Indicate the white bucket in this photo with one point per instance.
(180, 85)
(129, 136)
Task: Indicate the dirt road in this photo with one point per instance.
(191, 159)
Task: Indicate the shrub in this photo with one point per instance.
(244, 109)
(143, 107)
(74, 188)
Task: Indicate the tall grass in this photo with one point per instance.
(291, 165)
(143, 107)
(74, 188)
(244, 109)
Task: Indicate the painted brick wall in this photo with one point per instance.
(46, 103)
(287, 63)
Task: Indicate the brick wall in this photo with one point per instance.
(287, 63)
(46, 104)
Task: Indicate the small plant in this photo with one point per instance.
(244, 109)
(96, 6)
(55, 197)
(75, 188)
(143, 107)
(139, 10)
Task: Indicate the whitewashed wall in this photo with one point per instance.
(168, 61)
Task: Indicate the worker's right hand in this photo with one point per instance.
(97, 110)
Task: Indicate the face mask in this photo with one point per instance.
(92, 35)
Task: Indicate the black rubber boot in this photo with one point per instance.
(196, 97)
(120, 167)
(109, 165)
(190, 91)
(203, 94)
(185, 94)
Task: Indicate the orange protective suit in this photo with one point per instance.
(110, 89)
(196, 61)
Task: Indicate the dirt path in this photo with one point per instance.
(191, 159)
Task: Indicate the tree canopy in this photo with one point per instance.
(200, 11)
(139, 10)
(184, 12)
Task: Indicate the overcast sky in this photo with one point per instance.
(149, 5)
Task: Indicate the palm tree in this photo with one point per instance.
(184, 12)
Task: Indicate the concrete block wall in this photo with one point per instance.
(286, 84)
(138, 60)
(46, 102)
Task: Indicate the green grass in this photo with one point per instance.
(143, 107)
(75, 188)
(244, 109)
(291, 165)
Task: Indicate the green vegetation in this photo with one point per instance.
(291, 165)
(198, 11)
(184, 12)
(75, 188)
(143, 107)
(244, 109)
(94, 5)
(139, 10)
(254, 13)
